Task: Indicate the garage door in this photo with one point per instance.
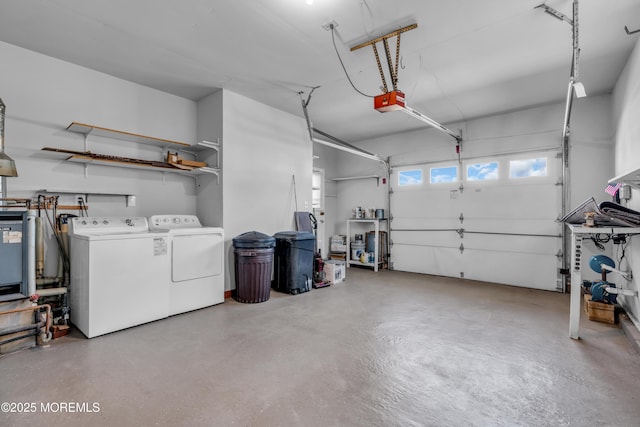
(490, 219)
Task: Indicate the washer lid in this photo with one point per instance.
(254, 239)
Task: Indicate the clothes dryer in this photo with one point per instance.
(197, 261)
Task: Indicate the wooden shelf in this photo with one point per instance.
(120, 164)
(124, 136)
(86, 129)
(202, 146)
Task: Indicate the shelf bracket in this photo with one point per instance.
(631, 32)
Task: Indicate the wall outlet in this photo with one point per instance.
(328, 25)
(131, 201)
(81, 199)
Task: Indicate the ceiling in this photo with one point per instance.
(465, 59)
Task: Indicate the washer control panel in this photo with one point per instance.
(170, 222)
(108, 225)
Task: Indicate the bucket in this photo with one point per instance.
(357, 248)
(379, 213)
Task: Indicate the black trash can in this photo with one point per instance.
(293, 271)
(253, 253)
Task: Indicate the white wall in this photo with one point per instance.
(626, 111)
(264, 149)
(210, 187)
(44, 95)
(327, 159)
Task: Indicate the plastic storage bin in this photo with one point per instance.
(293, 271)
(253, 253)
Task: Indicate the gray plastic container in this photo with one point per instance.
(294, 261)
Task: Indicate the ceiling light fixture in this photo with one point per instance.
(310, 2)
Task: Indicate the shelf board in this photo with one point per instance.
(581, 229)
(364, 264)
(349, 178)
(203, 170)
(632, 178)
(87, 192)
(202, 146)
(120, 164)
(124, 136)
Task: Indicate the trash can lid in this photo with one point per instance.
(294, 235)
(254, 239)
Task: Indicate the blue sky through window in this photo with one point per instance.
(445, 174)
(528, 167)
(412, 177)
(482, 171)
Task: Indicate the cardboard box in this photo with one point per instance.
(334, 271)
(338, 243)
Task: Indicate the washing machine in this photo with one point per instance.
(119, 274)
(197, 261)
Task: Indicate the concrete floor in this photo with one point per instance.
(385, 349)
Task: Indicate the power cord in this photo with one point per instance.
(333, 39)
(599, 241)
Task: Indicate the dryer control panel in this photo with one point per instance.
(171, 222)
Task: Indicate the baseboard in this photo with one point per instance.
(630, 331)
(227, 294)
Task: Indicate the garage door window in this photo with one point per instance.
(482, 171)
(526, 168)
(443, 174)
(410, 178)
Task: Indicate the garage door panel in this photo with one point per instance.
(506, 243)
(512, 268)
(412, 203)
(538, 201)
(512, 226)
(427, 260)
(425, 223)
(432, 238)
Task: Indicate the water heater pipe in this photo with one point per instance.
(31, 252)
(39, 247)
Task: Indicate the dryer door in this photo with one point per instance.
(195, 256)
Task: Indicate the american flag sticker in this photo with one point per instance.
(612, 188)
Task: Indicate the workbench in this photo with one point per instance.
(578, 233)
